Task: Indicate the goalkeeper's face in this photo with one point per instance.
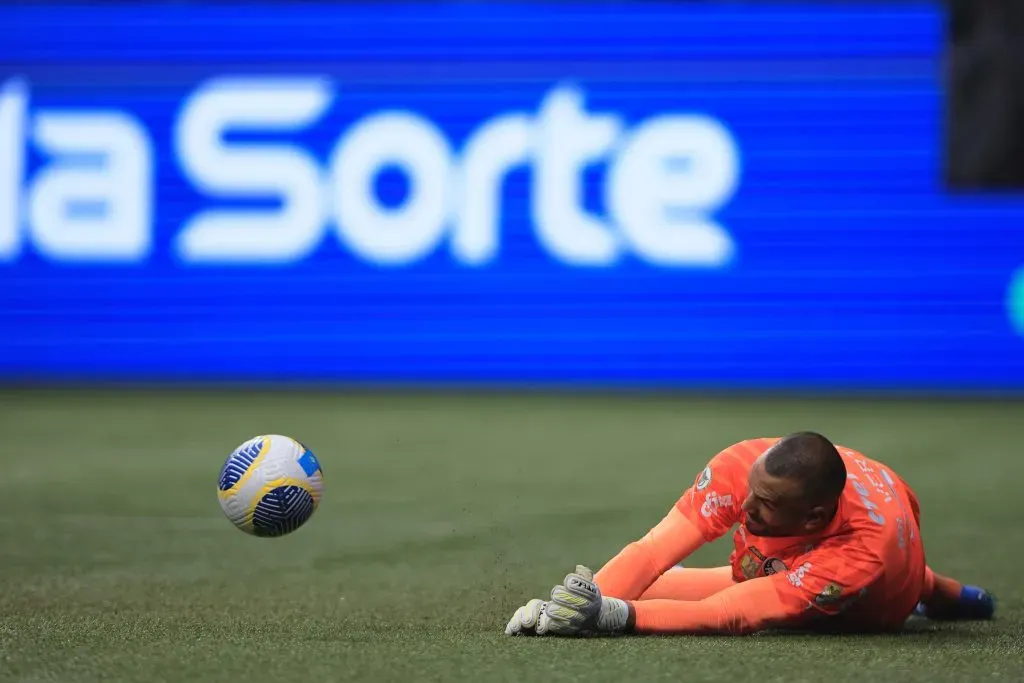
(779, 506)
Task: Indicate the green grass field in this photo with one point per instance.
(442, 514)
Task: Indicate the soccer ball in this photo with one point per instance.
(270, 485)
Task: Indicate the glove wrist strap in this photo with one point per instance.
(613, 617)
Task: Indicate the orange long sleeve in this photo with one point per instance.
(627, 575)
(740, 609)
(692, 583)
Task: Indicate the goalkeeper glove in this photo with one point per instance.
(529, 620)
(576, 607)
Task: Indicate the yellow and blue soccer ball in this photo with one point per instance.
(270, 485)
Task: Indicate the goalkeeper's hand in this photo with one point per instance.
(529, 620)
(576, 607)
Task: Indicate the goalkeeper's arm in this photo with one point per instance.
(741, 609)
(638, 565)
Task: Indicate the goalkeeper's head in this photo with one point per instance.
(795, 487)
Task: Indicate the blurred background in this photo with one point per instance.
(461, 249)
(707, 195)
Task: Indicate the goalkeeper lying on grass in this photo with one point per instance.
(827, 539)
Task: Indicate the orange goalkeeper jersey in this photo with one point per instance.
(867, 566)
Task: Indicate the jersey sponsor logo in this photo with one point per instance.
(879, 486)
(704, 479)
(749, 566)
(865, 498)
(773, 565)
(796, 577)
(712, 503)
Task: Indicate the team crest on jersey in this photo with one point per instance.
(704, 479)
(754, 564)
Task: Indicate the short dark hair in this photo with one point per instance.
(812, 460)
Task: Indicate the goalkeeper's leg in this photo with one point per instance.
(681, 583)
(946, 598)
